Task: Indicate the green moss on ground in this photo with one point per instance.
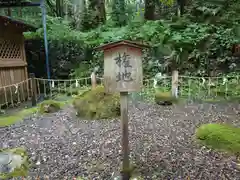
(7, 120)
(96, 104)
(20, 168)
(50, 106)
(221, 137)
(164, 98)
(47, 106)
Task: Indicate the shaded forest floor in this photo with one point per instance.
(161, 141)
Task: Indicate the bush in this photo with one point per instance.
(96, 104)
(164, 98)
(49, 106)
(221, 137)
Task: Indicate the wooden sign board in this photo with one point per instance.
(123, 73)
(123, 67)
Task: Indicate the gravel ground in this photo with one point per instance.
(161, 142)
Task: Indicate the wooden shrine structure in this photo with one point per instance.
(13, 64)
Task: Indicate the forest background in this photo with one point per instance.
(196, 37)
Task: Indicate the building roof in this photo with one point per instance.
(19, 25)
(122, 42)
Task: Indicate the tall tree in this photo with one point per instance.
(180, 7)
(96, 10)
(119, 12)
(59, 8)
(149, 9)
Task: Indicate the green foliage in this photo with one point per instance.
(198, 43)
(221, 137)
(96, 104)
(176, 42)
(50, 106)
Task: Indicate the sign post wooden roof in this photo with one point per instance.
(123, 59)
(122, 42)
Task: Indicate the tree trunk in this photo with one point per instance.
(9, 12)
(20, 12)
(149, 9)
(118, 12)
(66, 11)
(180, 7)
(59, 8)
(102, 11)
(97, 10)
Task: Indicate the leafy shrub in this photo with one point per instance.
(164, 98)
(96, 104)
(49, 106)
(220, 137)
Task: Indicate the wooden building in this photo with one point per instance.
(13, 64)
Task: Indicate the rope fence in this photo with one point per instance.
(196, 87)
(188, 87)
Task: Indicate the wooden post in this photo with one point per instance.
(125, 149)
(34, 89)
(123, 73)
(175, 83)
(93, 80)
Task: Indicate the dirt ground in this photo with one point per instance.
(161, 141)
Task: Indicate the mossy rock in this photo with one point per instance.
(2, 112)
(49, 106)
(221, 137)
(96, 104)
(73, 91)
(13, 163)
(164, 98)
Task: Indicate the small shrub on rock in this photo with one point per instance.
(164, 98)
(96, 104)
(49, 106)
(221, 137)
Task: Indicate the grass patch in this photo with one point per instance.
(222, 137)
(7, 120)
(96, 104)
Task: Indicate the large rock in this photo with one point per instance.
(13, 163)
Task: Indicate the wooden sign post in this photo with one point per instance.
(123, 73)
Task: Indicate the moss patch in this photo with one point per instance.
(7, 120)
(164, 98)
(50, 106)
(15, 165)
(221, 137)
(96, 104)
